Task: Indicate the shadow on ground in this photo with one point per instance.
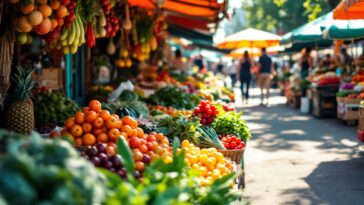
(331, 183)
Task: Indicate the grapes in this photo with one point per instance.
(98, 156)
(146, 159)
(206, 111)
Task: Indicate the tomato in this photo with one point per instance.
(139, 166)
(143, 148)
(134, 142)
(233, 145)
(238, 140)
(228, 139)
(151, 138)
(137, 155)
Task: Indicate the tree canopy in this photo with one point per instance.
(282, 16)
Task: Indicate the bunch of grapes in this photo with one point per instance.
(206, 111)
(98, 156)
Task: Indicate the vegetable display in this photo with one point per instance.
(231, 123)
(173, 96)
(206, 112)
(41, 171)
(52, 108)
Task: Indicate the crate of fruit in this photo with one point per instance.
(234, 148)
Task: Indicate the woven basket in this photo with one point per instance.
(235, 155)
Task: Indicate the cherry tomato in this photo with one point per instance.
(228, 139)
(134, 142)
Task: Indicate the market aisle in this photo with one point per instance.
(298, 159)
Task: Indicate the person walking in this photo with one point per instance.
(231, 71)
(178, 63)
(266, 70)
(306, 62)
(245, 75)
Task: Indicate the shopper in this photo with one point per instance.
(346, 59)
(327, 63)
(305, 62)
(231, 71)
(219, 67)
(245, 75)
(266, 70)
(178, 63)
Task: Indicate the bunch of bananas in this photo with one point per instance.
(72, 37)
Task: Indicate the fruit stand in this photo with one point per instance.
(115, 127)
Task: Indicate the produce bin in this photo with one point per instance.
(348, 109)
(324, 100)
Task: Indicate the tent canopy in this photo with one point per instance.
(250, 38)
(349, 9)
(309, 32)
(345, 30)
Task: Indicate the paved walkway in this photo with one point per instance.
(298, 159)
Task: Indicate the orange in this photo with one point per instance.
(143, 148)
(87, 127)
(159, 136)
(113, 134)
(102, 138)
(62, 11)
(78, 141)
(116, 116)
(98, 131)
(28, 8)
(80, 117)
(54, 23)
(119, 124)
(85, 109)
(127, 129)
(95, 105)
(55, 4)
(98, 123)
(124, 135)
(140, 132)
(134, 133)
(88, 139)
(112, 123)
(127, 120)
(69, 123)
(76, 130)
(91, 116)
(45, 10)
(110, 150)
(105, 114)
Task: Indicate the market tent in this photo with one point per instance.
(349, 9)
(309, 32)
(250, 38)
(345, 29)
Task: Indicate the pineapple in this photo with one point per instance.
(20, 114)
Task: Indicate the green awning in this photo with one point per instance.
(345, 30)
(309, 32)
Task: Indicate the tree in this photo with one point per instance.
(282, 16)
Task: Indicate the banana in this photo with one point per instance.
(64, 43)
(78, 32)
(64, 34)
(74, 49)
(66, 50)
(83, 40)
(71, 36)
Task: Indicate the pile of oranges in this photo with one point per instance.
(93, 125)
(210, 163)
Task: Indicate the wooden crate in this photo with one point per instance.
(361, 118)
(324, 101)
(348, 109)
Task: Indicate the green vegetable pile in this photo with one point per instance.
(128, 99)
(40, 171)
(173, 96)
(53, 107)
(345, 93)
(231, 123)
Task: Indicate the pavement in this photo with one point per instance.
(294, 158)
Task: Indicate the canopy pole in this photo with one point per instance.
(352, 53)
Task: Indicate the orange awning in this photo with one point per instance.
(203, 9)
(349, 9)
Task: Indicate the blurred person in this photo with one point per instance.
(219, 67)
(231, 71)
(346, 59)
(199, 61)
(327, 62)
(266, 69)
(306, 62)
(245, 75)
(178, 62)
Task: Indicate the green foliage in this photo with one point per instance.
(231, 123)
(283, 15)
(179, 127)
(128, 95)
(53, 108)
(40, 171)
(23, 84)
(173, 96)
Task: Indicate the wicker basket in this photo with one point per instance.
(235, 155)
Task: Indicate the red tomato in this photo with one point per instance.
(233, 145)
(228, 139)
(134, 142)
(238, 140)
